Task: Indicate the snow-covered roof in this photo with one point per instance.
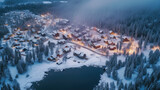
(77, 52)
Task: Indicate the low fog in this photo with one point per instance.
(100, 13)
(113, 10)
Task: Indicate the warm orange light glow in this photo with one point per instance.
(6, 24)
(133, 48)
(105, 37)
(155, 48)
(118, 51)
(113, 33)
(35, 44)
(94, 28)
(78, 42)
(28, 25)
(42, 15)
(63, 31)
(69, 35)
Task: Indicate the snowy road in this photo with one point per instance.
(88, 49)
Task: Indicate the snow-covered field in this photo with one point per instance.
(37, 71)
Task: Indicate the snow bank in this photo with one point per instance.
(37, 71)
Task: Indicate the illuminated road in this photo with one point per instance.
(88, 48)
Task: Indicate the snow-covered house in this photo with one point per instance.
(56, 34)
(66, 49)
(22, 40)
(125, 39)
(79, 39)
(112, 33)
(19, 33)
(6, 37)
(100, 31)
(52, 58)
(39, 32)
(61, 41)
(18, 47)
(65, 36)
(111, 47)
(96, 45)
(59, 53)
(43, 34)
(15, 44)
(86, 38)
(79, 54)
(36, 36)
(77, 29)
(62, 21)
(111, 42)
(112, 37)
(21, 36)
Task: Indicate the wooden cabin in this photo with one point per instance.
(96, 46)
(52, 58)
(59, 53)
(65, 37)
(100, 31)
(6, 37)
(112, 33)
(21, 40)
(19, 33)
(79, 39)
(86, 38)
(106, 41)
(18, 47)
(66, 49)
(80, 55)
(39, 32)
(125, 39)
(37, 37)
(15, 44)
(61, 42)
(112, 37)
(111, 43)
(56, 34)
(112, 47)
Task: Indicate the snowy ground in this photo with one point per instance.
(37, 71)
(105, 79)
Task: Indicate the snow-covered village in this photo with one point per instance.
(40, 50)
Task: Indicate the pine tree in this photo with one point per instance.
(16, 85)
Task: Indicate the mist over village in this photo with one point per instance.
(79, 45)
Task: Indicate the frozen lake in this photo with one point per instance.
(84, 78)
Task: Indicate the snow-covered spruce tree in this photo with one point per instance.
(40, 57)
(112, 62)
(112, 86)
(115, 74)
(17, 57)
(21, 67)
(120, 85)
(154, 56)
(33, 54)
(51, 46)
(3, 30)
(16, 85)
(29, 59)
